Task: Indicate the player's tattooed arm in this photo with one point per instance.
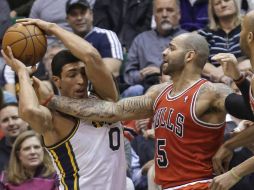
(221, 92)
(212, 96)
(100, 110)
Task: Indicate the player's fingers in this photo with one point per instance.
(25, 21)
(7, 59)
(217, 57)
(36, 82)
(227, 162)
(226, 166)
(217, 166)
(10, 52)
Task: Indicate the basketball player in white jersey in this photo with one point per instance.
(86, 154)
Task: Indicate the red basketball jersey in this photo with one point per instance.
(184, 144)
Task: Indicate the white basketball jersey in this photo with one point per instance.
(92, 157)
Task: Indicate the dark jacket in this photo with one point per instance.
(126, 18)
(5, 152)
(194, 17)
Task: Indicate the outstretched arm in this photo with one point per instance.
(99, 110)
(235, 102)
(39, 117)
(96, 70)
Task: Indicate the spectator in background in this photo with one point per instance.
(80, 18)
(194, 14)
(245, 5)
(11, 125)
(222, 35)
(5, 20)
(127, 18)
(30, 165)
(52, 50)
(1, 103)
(20, 8)
(50, 11)
(144, 57)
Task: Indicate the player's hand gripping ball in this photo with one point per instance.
(28, 43)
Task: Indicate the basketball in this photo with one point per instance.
(28, 43)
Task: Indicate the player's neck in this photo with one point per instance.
(184, 80)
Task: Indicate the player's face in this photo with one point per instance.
(174, 57)
(11, 124)
(73, 81)
(166, 14)
(81, 20)
(31, 153)
(224, 8)
(243, 38)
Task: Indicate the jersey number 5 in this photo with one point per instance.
(162, 159)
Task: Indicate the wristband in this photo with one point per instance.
(47, 100)
(237, 177)
(240, 79)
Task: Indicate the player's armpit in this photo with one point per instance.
(211, 98)
(98, 110)
(221, 92)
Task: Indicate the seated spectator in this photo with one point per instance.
(126, 18)
(80, 18)
(11, 125)
(222, 35)
(245, 6)
(194, 14)
(5, 20)
(144, 57)
(52, 50)
(30, 166)
(50, 11)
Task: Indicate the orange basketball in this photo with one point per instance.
(28, 43)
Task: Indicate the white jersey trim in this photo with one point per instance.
(198, 121)
(185, 185)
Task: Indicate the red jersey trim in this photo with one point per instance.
(198, 121)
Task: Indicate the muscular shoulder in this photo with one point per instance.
(214, 94)
(155, 90)
(215, 89)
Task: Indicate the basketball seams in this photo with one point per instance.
(43, 44)
(20, 55)
(30, 36)
(17, 40)
(27, 42)
(36, 36)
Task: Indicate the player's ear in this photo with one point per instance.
(190, 55)
(57, 81)
(250, 37)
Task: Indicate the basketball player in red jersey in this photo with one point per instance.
(188, 115)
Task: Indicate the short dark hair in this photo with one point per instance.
(4, 105)
(62, 58)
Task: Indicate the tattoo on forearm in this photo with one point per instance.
(99, 110)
